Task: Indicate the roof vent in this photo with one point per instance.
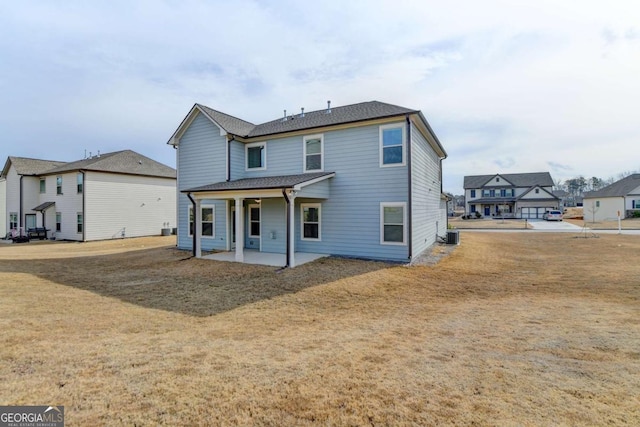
(302, 113)
(328, 107)
(284, 119)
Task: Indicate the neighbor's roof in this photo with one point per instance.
(265, 183)
(543, 179)
(26, 166)
(617, 189)
(125, 162)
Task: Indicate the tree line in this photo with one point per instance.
(579, 185)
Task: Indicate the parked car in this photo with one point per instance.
(552, 216)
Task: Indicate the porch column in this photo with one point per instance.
(239, 230)
(197, 227)
(292, 230)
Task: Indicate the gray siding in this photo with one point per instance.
(201, 160)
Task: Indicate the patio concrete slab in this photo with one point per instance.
(265, 258)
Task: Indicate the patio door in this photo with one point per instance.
(30, 220)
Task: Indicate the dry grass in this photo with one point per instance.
(488, 223)
(509, 329)
(625, 224)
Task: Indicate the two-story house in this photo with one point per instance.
(112, 195)
(362, 180)
(514, 195)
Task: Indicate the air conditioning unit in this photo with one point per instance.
(453, 237)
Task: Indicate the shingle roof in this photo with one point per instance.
(126, 162)
(264, 183)
(542, 179)
(619, 188)
(337, 115)
(26, 166)
(229, 123)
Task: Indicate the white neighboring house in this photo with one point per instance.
(113, 195)
(622, 196)
(514, 195)
(3, 207)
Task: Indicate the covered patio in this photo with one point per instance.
(253, 256)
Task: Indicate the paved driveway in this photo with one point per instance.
(542, 225)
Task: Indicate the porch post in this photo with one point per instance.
(197, 222)
(239, 230)
(292, 228)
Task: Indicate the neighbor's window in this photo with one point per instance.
(58, 221)
(254, 221)
(537, 190)
(485, 193)
(58, 185)
(473, 193)
(80, 181)
(256, 155)
(207, 220)
(597, 203)
(80, 222)
(473, 208)
(392, 141)
(313, 153)
(13, 220)
(43, 185)
(392, 219)
(310, 221)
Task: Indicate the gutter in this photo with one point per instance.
(287, 219)
(21, 203)
(229, 157)
(193, 244)
(409, 199)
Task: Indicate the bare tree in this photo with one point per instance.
(592, 210)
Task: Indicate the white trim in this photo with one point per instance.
(319, 136)
(302, 222)
(381, 129)
(255, 205)
(404, 222)
(264, 156)
(300, 186)
(213, 225)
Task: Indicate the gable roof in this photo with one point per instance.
(522, 196)
(617, 189)
(264, 183)
(229, 123)
(27, 166)
(125, 162)
(543, 179)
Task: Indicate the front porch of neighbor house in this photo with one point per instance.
(267, 208)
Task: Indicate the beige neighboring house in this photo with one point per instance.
(113, 195)
(622, 196)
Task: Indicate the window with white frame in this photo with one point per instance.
(256, 156)
(392, 145)
(207, 219)
(43, 185)
(13, 220)
(313, 149)
(392, 223)
(58, 221)
(254, 220)
(80, 182)
(310, 214)
(58, 185)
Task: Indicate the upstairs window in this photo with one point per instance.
(256, 155)
(392, 143)
(43, 185)
(80, 182)
(473, 193)
(313, 153)
(58, 185)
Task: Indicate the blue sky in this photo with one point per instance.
(507, 86)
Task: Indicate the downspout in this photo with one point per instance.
(193, 243)
(287, 219)
(229, 157)
(409, 200)
(21, 202)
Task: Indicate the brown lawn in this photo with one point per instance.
(488, 223)
(508, 329)
(625, 224)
